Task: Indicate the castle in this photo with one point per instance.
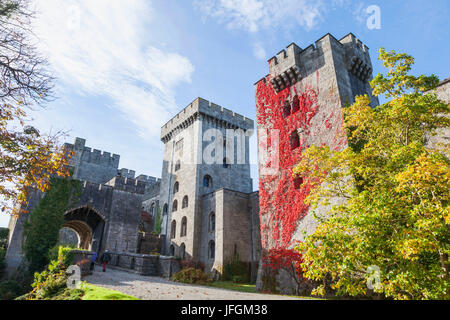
(204, 196)
(209, 212)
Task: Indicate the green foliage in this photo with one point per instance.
(92, 292)
(236, 271)
(396, 214)
(191, 276)
(10, 289)
(158, 222)
(8, 7)
(41, 231)
(51, 283)
(4, 232)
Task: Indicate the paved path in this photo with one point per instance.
(154, 288)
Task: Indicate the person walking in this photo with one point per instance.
(93, 259)
(105, 258)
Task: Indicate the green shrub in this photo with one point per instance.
(41, 230)
(236, 271)
(2, 262)
(191, 276)
(10, 289)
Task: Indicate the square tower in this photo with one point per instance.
(298, 105)
(206, 148)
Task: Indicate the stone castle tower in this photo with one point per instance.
(298, 105)
(206, 189)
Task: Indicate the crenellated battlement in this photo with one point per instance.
(127, 184)
(148, 180)
(89, 155)
(287, 66)
(126, 173)
(199, 109)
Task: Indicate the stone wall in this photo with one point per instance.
(300, 101)
(146, 265)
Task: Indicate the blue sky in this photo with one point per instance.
(126, 67)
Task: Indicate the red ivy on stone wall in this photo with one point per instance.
(289, 260)
(279, 195)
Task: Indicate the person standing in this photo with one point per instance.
(93, 259)
(105, 258)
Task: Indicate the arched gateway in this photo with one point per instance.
(89, 224)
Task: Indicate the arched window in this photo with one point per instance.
(175, 206)
(165, 209)
(185, 202)
(295, 104)
(226, 163)
(183, 227)
(183, 251)
(152, 209)
(172, 250)
(178, 165)
(294, 140)
(176, 187)
(212, 222)
(286, 111)
(207, 181)
(173, 230)
(212, 250)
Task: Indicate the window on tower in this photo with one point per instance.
(185, 202)
(294, 140)
(286, 110)
(207, 181)
(295, 104)
(175, 206)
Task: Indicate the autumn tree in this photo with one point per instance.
(27, 158)
(288, 260)
(394, 188)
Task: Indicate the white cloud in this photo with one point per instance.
(259, 52)
(254, 15)
(104, 48)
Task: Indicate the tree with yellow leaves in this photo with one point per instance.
(27, 158)
(395, 217)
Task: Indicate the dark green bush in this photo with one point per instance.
(191, 276)
(2, 262)
(236, 271)
(10, 289)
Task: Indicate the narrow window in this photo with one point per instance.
(185, 202)
(173, 230)
(177, 165)
(294, 140)
(286, 110)
(295, 104)
(176, 187)
(207, 181)
(152, 209)
(212, 222)
(165, 209)
(183, 227)
(175, 206)
(212, 250)
(183, 251)
(172, 250)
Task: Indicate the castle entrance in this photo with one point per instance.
(88, 224)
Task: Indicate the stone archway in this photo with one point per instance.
(89, 224)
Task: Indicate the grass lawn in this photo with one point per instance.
(98, 293)
(249, 288)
